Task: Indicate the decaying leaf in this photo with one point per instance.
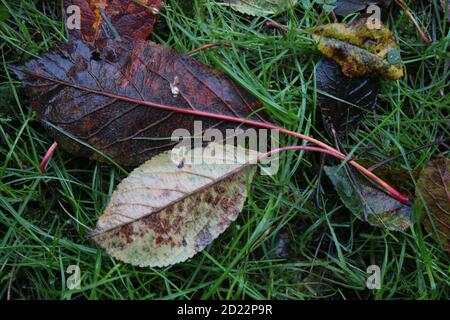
(67, 89)
(398, 177)
(434, 185)
(359, 50)
(368, 203)
(99, 18)
(166, 211)
(343, 101)
(345, 7)
(260, 7)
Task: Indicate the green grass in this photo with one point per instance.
(44, 218)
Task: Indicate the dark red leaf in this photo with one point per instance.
(64, 86)
(129, 18)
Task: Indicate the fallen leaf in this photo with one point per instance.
(166, 211)
(260, 7)
(359, 50)
(67, 89)
(368, 203)
(133, 18)
(398, 177)
(345, 7)
(343, 101)
(434, 185)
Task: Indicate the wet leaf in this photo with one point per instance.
(434, 185)
(67, 89)
(368, 203)
(166, 211)
(398, 177)
(345, 7)
(343, 101)
(100, 18)
(359, 50)
(260, 7)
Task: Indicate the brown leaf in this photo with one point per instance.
(400, 178)
(434, 185)
(359, 50)
(67, 86)
(343, 101)
(166, 211)
(133, 18)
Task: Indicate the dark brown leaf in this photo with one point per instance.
(345, 7)
(343, 101)
(128, 17)
(67, 86)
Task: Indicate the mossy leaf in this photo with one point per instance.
(360, 50)
(173, 206)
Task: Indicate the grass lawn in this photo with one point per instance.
(44, 218)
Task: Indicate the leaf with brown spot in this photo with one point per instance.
(169, 209)
(434, 186)
(83, 90)
(359, 50)
(133, 18)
